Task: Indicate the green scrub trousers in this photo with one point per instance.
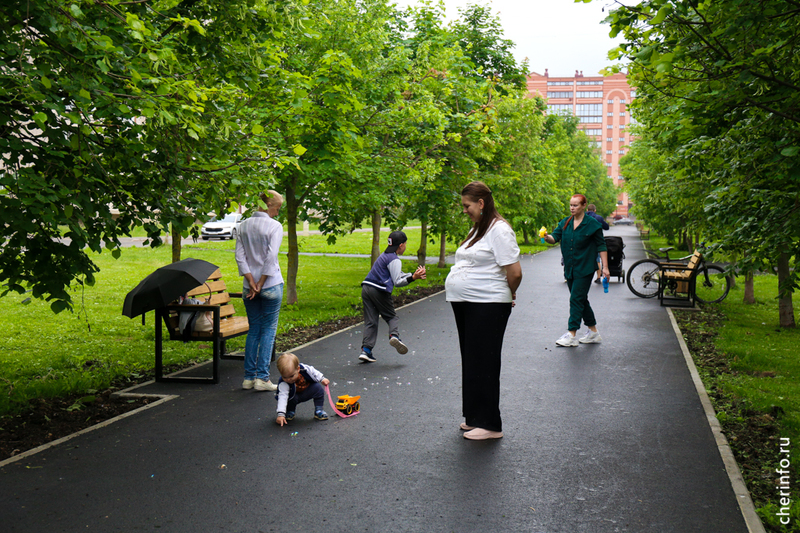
(579, 308)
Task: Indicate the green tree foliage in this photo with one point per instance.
(127, 105)
(167, 109)
(339, 62)
(481, 36)
(461, 131)
(718, 91)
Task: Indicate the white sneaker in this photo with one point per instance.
(248, 384)
(591, 337)
(262, 385)
(567, 339)
(398, 345)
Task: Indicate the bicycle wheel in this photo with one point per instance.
(711, 284)
(643, 278)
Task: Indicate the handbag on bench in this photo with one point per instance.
(191, 321)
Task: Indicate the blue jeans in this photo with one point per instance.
(262, 314)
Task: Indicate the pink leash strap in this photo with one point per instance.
(333, 406)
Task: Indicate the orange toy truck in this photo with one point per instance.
(348, 404)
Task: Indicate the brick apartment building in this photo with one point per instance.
(600, 103)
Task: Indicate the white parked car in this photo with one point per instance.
(221, 229)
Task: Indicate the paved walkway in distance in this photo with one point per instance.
(598, 438)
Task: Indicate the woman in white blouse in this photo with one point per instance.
(481, 288)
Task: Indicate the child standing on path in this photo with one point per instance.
(376, 295)
(299, 383)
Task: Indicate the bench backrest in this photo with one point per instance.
(213, 290)
(695, 260)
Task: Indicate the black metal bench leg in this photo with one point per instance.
(162, 313)
(217, 349)
(159, 347)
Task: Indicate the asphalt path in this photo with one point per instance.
(598, 438)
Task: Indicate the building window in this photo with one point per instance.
(593, 132)
(622, 126)
(622, 114)
(620, 178)
(609, 151)
(559, 83)
(552, 94)
(610, 114)
(608, 164)
(619, 202)
(622, 102)
(610, 127)
(559, 109)
(590, 94)
(609, 139)
(589, 109)
(633, 94)
(622, 152)
(595, 82)
(622, 139)
(589, 120)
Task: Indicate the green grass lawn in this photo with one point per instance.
(46, 355)
(765, 379)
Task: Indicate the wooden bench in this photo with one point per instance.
(226, 326)
(679, 278)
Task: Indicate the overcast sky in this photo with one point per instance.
(558, 35)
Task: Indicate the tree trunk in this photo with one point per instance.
(422, 253)
(785, 307)
(376, 237)
(526, 240)
(293, 258)
(176, 244)
(442, 251)
(749, 290)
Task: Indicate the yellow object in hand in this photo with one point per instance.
(542, 232)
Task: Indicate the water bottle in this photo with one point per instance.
(605, 284)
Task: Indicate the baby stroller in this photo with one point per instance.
(615, 257)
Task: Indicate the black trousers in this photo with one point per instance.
(481, 327)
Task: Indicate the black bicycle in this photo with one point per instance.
(712, 284)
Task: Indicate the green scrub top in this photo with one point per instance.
(579, 247)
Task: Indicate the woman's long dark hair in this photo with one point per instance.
(477, 190)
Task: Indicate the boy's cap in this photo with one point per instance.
(396, 238)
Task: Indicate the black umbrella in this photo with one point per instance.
(165, 285)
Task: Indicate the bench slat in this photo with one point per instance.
(221, 298)
(227, 328)
(205, 288)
